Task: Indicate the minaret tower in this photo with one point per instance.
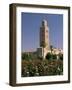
(44, 36)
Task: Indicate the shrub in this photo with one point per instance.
(54, 56)
(42, 68)
(48, 56)
(61, 56)
(25, 56)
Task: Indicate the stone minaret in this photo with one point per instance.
(44, 36)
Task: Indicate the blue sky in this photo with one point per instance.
(31, 23)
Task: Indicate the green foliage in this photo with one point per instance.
(29, 56)
(41, 58)
(42, 68)
(48, 56)
(54, 56)
(34, 66)
(25, 56)
(61, 56)
(31, 70)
